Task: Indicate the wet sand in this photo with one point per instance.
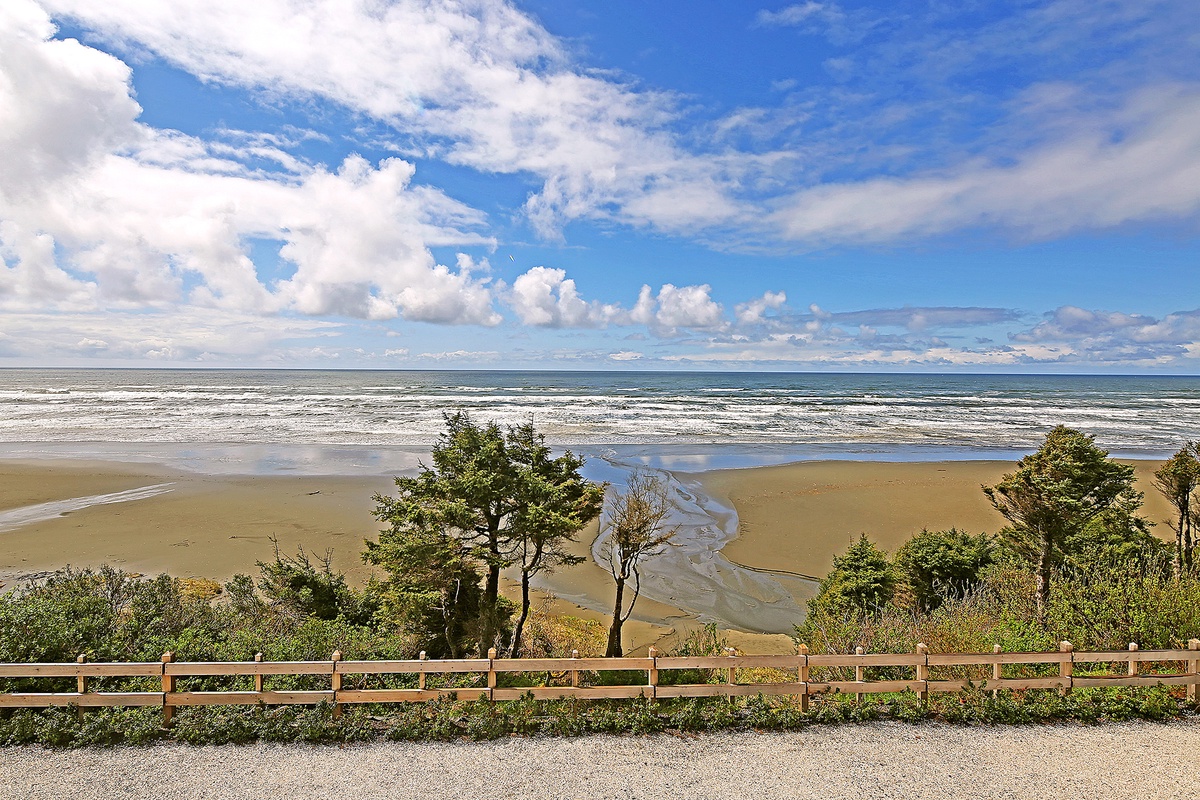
(205, 526)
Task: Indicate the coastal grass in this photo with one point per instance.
(449, 720)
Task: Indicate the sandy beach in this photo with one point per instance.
(792, 519)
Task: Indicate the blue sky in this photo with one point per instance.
(900, 186)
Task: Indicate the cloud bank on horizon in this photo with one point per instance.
(487, 183)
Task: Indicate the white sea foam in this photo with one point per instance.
(27, 515)
(858, 413)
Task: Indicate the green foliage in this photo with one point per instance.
(1179, 482)
(491, 499)
(433, 589)
(295, 587)
(862, 580)
(936, 565)
(1055, 493)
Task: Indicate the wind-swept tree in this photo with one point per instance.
(1055, 493)
(501, 496)
(555, 503)
(1178, 480)
(634, 530)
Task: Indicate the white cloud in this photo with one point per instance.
(688, 307)
(754, 311)
(1116, 337)
(475, 356)
(1142, 163)
(177, 334)
(625, 355)
(100, 211)
(480, 84)
(790, 15)
(548, 298)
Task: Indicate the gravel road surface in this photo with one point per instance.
(881, 760)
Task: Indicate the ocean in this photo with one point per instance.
(364, 421)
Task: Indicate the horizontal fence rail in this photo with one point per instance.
(802, 675)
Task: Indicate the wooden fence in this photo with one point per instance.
(814, 674)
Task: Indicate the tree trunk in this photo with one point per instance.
(1188, 542)
(614, 631)
(516, 642)
(1179, 534)
(491, 598)
(1043, 579)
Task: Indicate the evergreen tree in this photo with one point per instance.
(1178, 480)
(1054, 494)
(939, 565)
(862, 579)
(502, 498)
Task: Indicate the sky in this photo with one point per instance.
(557, 184)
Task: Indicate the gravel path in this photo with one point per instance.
(881, 760)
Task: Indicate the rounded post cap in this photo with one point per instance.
(1133, 646)
(575, 653)
(858, 651)
(491, 652)
(997, 648)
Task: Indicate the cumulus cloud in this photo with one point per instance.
(100, 211)
(548, 298)
(687, 307)
(754, 311)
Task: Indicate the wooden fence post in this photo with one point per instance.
(335, 683)
(421, 681)
(1193, 667)
(802, 675)
(575, 672)
(491, 675)
(258, 679)
(1066, 667)
(81, 683)
(731, 672)
(859, 672)
(1133, 665)
(651, 674)
(923, 672)
(997, 669)
(168, 686)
